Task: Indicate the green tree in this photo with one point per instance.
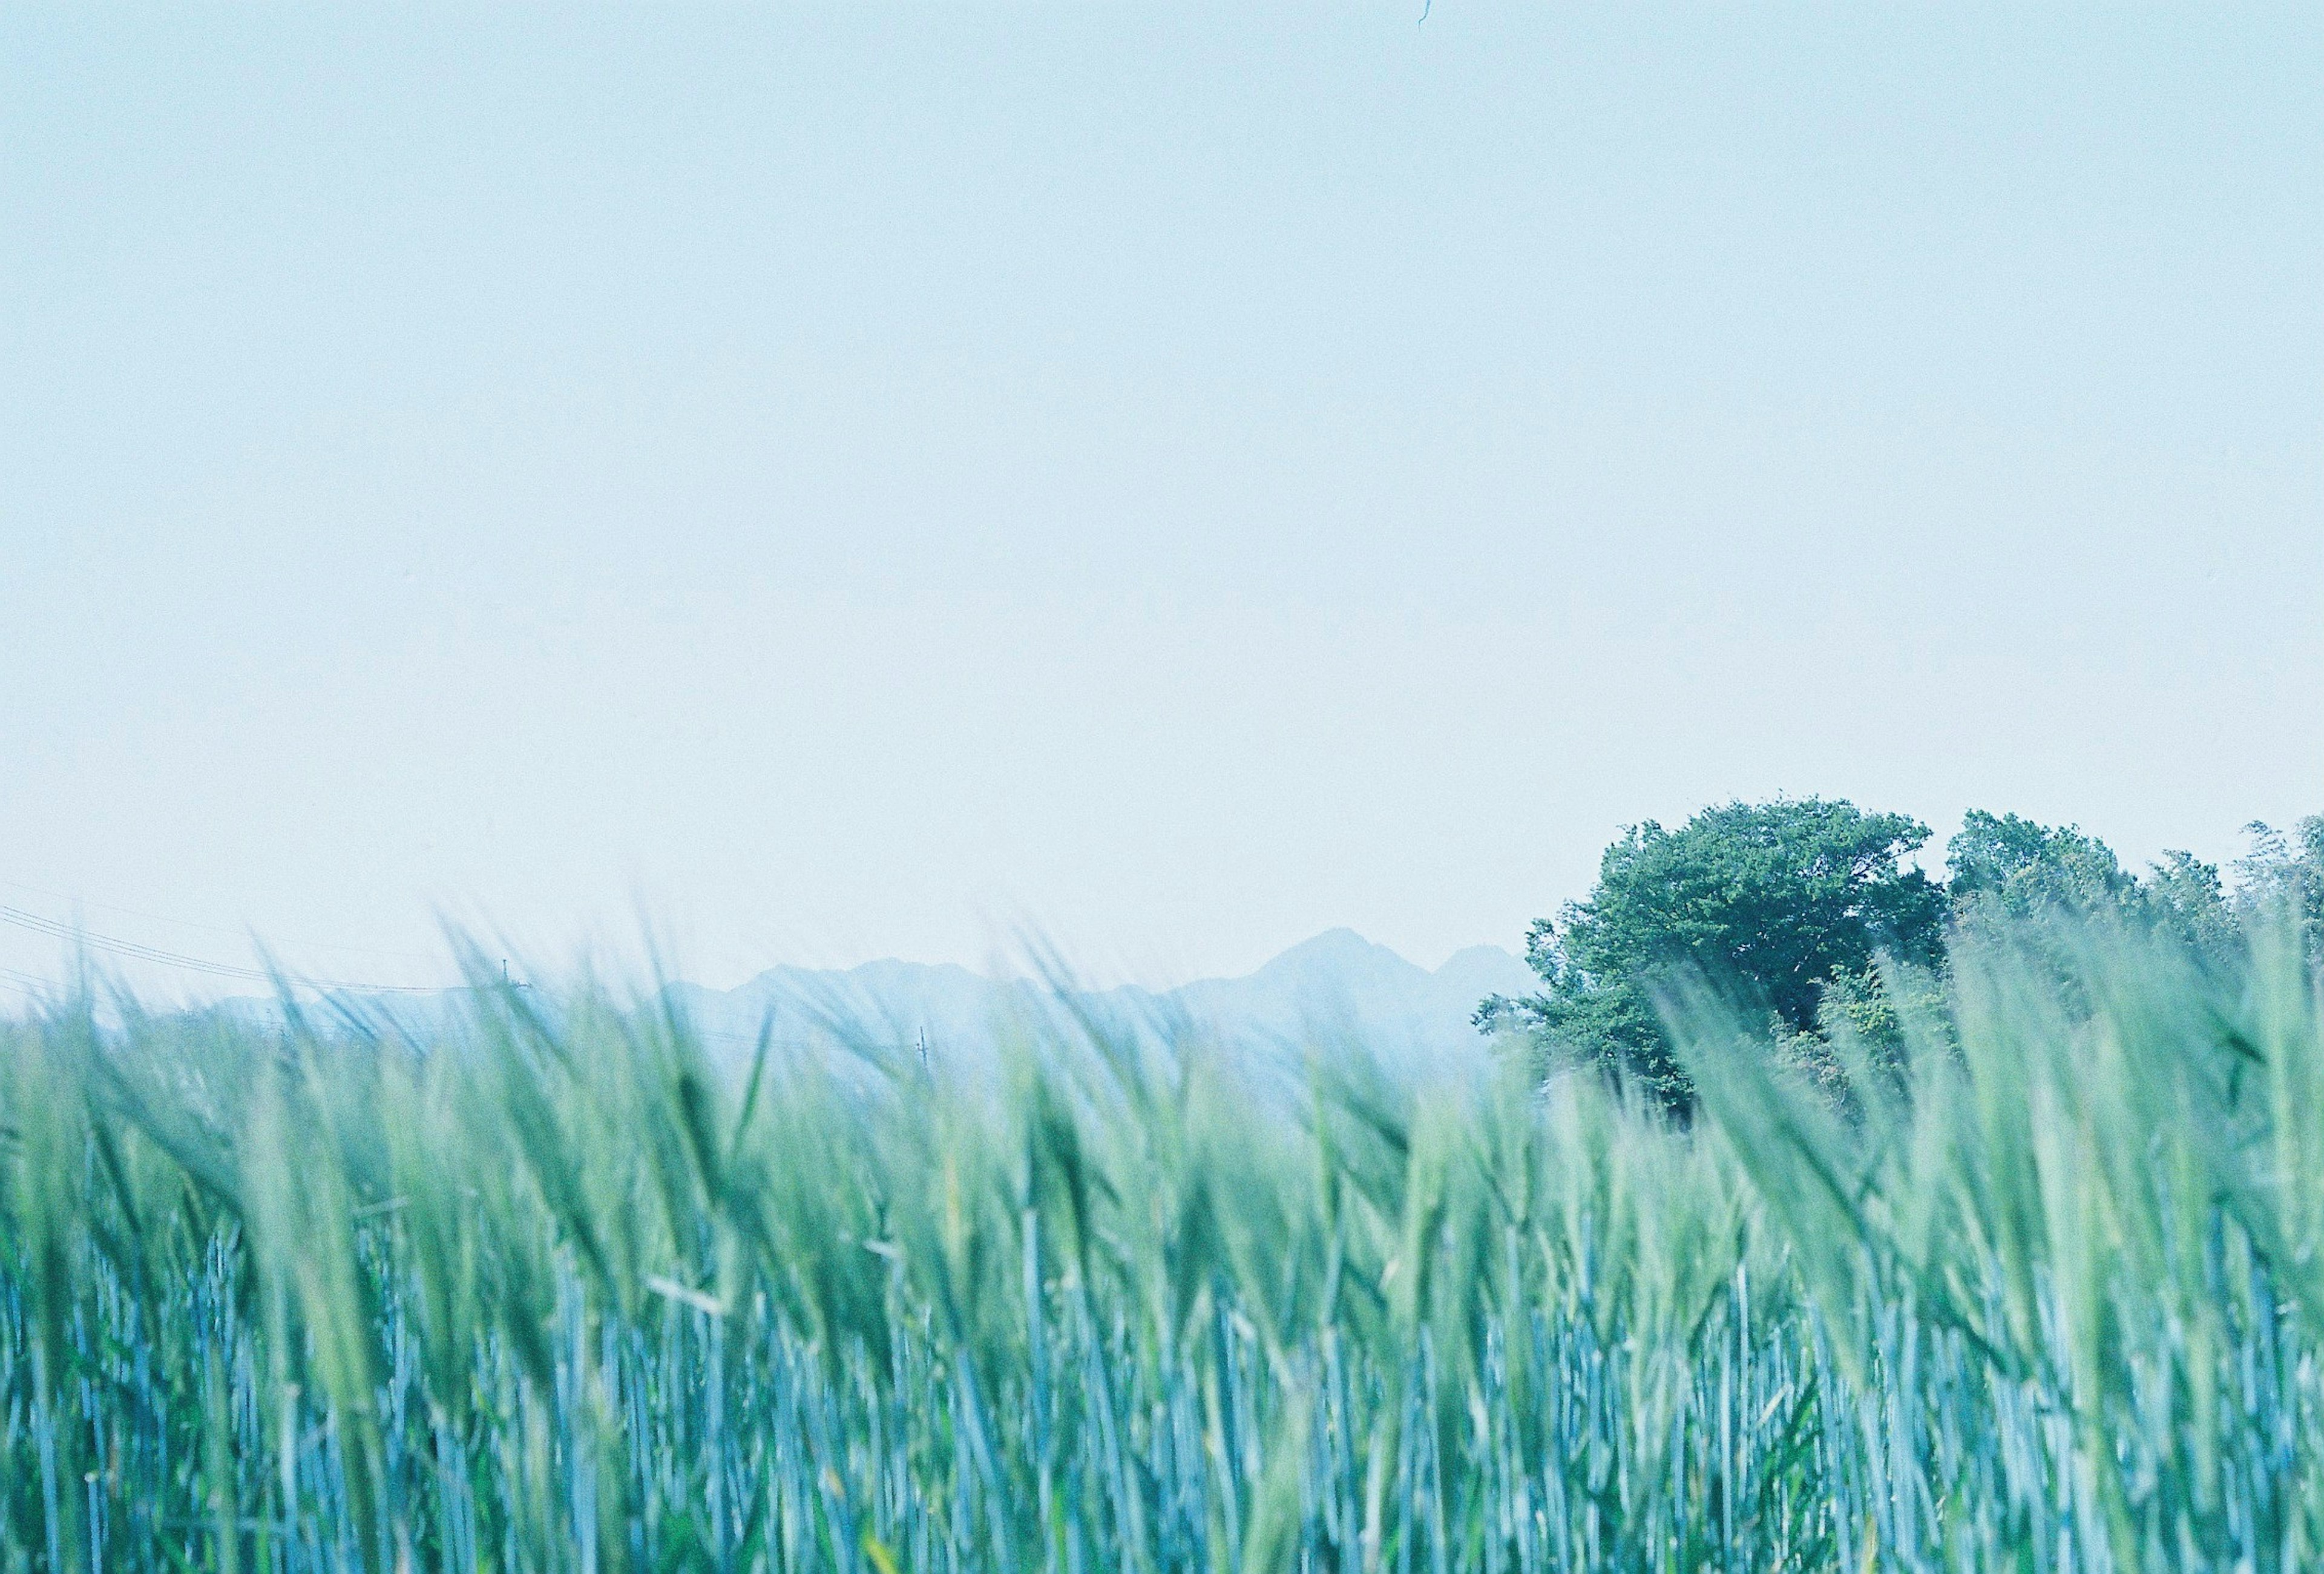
(1773, 900)
(2007, 868)
(2183, 895)
(2008, 864)
(2281, 880)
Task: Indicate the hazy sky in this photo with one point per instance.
(851, 481)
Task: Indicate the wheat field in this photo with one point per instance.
(2037, 1285)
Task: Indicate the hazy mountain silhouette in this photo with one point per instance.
(1338, 986)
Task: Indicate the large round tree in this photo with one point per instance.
(1770, 900)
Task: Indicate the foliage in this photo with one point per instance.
(2184, 897)
(1806, 908)
(560, 1292)
(1770, 900)
(2283, 879)
(2011, 867)
(2022, 867)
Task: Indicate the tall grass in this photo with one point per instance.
(2043, 1289)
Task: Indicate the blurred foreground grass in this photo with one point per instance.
(2038, 1287)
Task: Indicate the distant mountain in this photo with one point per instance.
(1337, 987)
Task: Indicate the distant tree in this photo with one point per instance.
(2281, 880)
(1776, 900)
(2184, 897)
(2006, 867)
(2006, 863)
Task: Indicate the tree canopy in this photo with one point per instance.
(2282, 880)
(1770, 900)
(2006, 867)
(1793, 905)
(2025, 867)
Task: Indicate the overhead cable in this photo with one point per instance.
(132, 950)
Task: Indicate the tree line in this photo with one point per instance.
(1815, 911)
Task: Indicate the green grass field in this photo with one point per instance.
(2044, 1290)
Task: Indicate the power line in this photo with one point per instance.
(131, 950)
(33, 922)
(206, 928)
(30, 985)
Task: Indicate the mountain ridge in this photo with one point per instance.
(1333, 984)
(1336, 985)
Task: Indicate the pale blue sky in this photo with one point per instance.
(855, 479)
